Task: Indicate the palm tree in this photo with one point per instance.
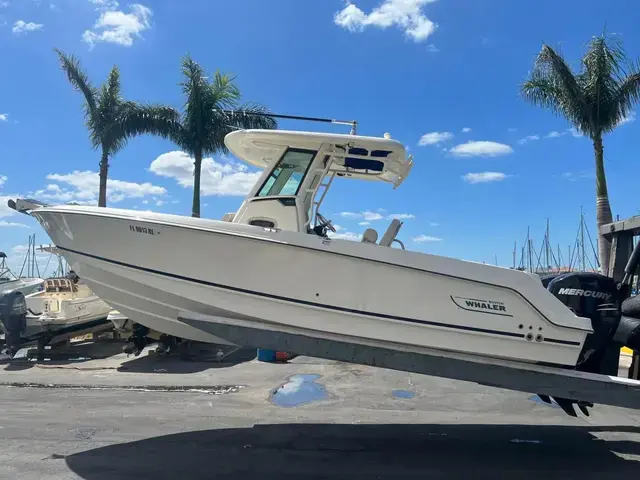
(594, 100)
(110, 119)
(211, 111)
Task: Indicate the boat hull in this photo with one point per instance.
(26, 286)
(283, 278)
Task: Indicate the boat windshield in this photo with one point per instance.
(287, 176)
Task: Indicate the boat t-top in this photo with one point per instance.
(272, 267)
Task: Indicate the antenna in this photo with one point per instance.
(352, 123)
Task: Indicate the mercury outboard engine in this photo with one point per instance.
(13, 314)
(615, 322)
(593, 296)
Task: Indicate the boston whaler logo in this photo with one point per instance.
(484, 306)
(585, 293)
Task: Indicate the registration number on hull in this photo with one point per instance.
(138, 229)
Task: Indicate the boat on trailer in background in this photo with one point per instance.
(274, 278)
(64, 308)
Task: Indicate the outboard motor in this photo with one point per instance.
(13, 314)
(593, 296)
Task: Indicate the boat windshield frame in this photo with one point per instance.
(285, 180)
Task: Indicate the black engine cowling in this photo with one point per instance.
(593, 296)
(13, 315)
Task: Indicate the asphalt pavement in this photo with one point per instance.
(145, 417)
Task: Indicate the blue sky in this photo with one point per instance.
(436, 75)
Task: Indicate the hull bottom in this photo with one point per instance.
(143, 307)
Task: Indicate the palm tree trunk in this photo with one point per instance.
(603, 208)
(197, 164)
(104, 172)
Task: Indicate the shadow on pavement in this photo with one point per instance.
(347, 451)
(146, 363)
(63, 355)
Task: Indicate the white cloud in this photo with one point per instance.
(115, 26)
(371, 216)
(404, 14)
(484, 177)
(426, 238)
(105, 4)
(84, 187)
(368, 216)
(529, 138)
(481, 149)
(4, 4)
(401, 216)
(4, 117)
(556, 134)
(434, 138)
(21, 27)
(512, 129)
(631, 117)
(350, 214)
(434, 224)
(159, 203)
(574, 132)
(431, 48)
(216, 179)
(3, 179)
(354, 237)
(466, 130)
(4, 223)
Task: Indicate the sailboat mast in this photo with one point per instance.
(584, 263)
(548, 264)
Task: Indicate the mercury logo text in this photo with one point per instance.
(584, 293)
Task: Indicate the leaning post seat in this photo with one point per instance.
(391, 233)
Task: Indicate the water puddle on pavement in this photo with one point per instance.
(402, 394)
(537, 399)
(299, 390)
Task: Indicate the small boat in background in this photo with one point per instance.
(10, 282)
(64, 307)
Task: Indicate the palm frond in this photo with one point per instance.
(109, 108)
(552, 84)
(253, 115)
(198, 102)
(137, 119)
(225, 93)
(78, 78)
(600, 80)
(628, 93)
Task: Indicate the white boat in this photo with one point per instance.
(65, 305)
(272, 264)
(270, 276)
(10, 282)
